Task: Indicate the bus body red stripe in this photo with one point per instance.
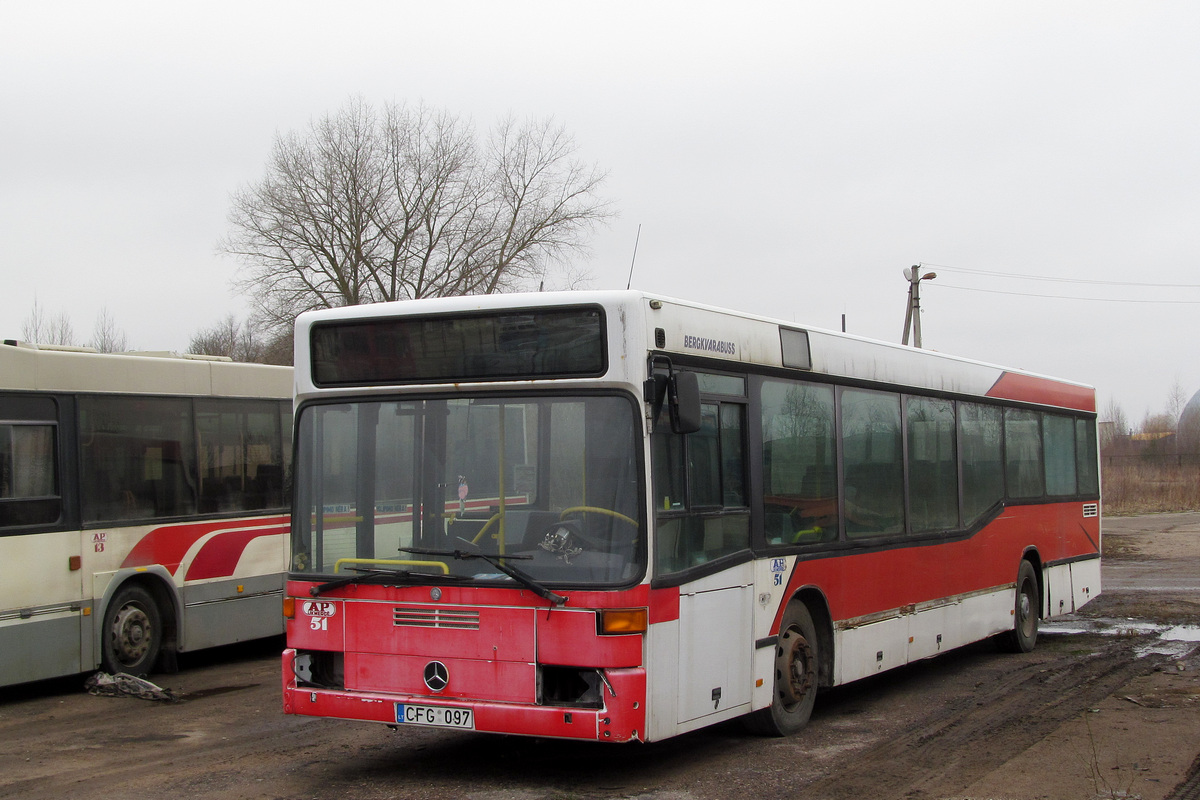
(168, 544)
(1032, 389)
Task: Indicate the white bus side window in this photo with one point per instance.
(29, 493)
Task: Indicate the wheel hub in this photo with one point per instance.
(131, 634)
(794, 662)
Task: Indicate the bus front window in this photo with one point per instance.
(551, 483)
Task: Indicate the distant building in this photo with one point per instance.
(1189, 426)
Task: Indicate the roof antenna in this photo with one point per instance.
(634, 259)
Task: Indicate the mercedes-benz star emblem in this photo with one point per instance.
(436, 676)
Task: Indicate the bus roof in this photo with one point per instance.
(25, 367)
(686, 329)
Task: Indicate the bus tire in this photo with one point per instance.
(132, 632)
(1023, 636)
(795, 676)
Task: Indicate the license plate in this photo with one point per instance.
(437, 716)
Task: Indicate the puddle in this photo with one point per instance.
(1107, 627)
(1182, 633)
(1171, 640)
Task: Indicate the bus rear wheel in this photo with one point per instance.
(1023, 636)
(795, 681)
(132, 632)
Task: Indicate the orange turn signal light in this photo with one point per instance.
(289, 608)
(623, 620)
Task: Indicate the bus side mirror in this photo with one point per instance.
(684, 396)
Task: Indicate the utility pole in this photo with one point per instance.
(912, 315)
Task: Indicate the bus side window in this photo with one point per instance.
(138, 458)
(799, 450)
(29, 490)
(1058, 448)
(980, 430)
(1085, 458)
(873, 470)
(1023, 454)
(28, 482)
(240, 454)
(932, 465)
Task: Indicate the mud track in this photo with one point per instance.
(965, 739)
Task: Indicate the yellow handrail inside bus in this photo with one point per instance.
(597, 510)
(484, 529)
(403, 562)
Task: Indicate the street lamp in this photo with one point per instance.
(912, 316)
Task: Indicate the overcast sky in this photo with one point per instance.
(788, 159)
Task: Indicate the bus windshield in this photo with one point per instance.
(426, 486)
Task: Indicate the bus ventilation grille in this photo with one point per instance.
(417, 617)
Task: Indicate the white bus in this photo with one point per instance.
(143, 507)
(617, 516)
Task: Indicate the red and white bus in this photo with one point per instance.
(142, 507)
(616, 516)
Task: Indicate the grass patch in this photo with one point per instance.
(1147, 488)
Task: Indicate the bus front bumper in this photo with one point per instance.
(622, 719)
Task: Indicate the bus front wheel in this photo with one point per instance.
(132, 632)
(795, 678)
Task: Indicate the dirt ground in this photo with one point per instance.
(1104, 707)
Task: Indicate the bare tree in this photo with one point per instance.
(229, 338)
(1114, 424)
(41, 329)
(366, 208)
(106, 337)
(1176, 400)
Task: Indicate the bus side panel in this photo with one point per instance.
(1085, 582)
(41, 607)
(868, 649)
(1069, 586)
(865, 650)
(662, 692)
(893, 606)
(700, 662)
(864, 587)
(224, 612)
(226, 575)
(46, 647)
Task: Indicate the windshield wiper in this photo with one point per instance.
(369, 574)
(497, 561)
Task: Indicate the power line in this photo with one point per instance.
(942, 285)
(1061, 280)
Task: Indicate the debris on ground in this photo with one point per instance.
(124, 685)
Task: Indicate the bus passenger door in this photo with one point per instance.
(703, 530)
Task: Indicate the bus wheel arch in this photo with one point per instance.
(139, 626)
(802, 664)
